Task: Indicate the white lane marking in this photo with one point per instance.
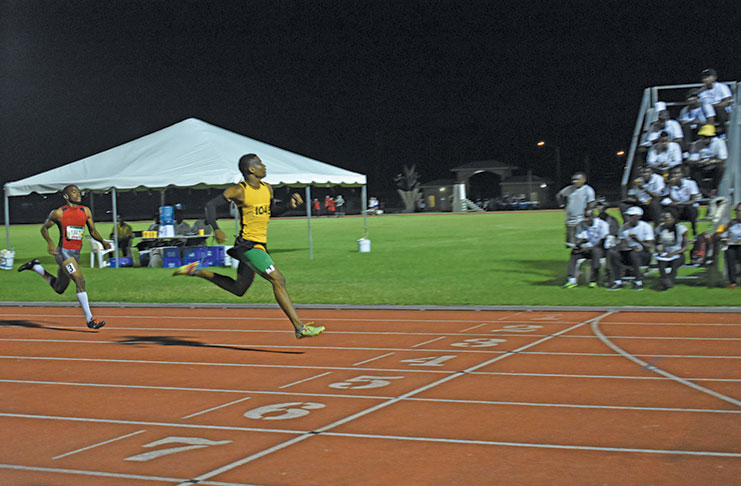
(305, 379)
(372, 359)
(98, 444)
(411, 393)
(474, 327)
(115, 475)
(504, 334)
(507, 317)
(379, 397)
(215, 408)
(430, 341)
(617, 349)
(538, 446)
(149, 424)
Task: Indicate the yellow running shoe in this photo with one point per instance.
(309, 331)
(188, 269)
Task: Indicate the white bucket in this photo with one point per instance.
(6, 259)
(364, 245)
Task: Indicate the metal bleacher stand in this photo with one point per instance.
(730, 185)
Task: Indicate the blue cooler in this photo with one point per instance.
(171, 257)
(167, 215)
(214, 256)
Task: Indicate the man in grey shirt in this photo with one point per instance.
(577, 198)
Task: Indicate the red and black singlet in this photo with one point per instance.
(72, 227)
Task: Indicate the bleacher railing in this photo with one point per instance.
(730, 185)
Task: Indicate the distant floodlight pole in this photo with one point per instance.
(557, 150)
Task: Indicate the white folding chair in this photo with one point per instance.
(96, 249)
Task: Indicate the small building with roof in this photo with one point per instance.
(438, 195)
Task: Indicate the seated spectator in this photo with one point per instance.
(664, 155)
(125, 235)
(611, 239)
(155, 226)
(578, 197)
(373, 205)
(646, 193)
(588, 244)
(181, 227)
(707, 159)
(671, 245)
(665, 124)
(731, 236)
(634, 245)
(718, 95)
(681, 198)
(695, 115)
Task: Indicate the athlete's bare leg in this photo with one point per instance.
(238, 287)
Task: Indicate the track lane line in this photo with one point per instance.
(93, 446)
(650, 367)
(215, 408)
(376, 397)
(320, 430)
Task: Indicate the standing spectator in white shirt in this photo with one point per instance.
(695, 115)
(671, 245)
(682, 196)
(647, 190)
(635, 243)
(664, 154)
(588, 244)
(716, 94)
(578, 197)
(707, 159)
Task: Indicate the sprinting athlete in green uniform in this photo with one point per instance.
(255, 202)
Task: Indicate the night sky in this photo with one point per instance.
(367, 86)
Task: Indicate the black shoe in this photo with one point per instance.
(29, 265)
(95, 323)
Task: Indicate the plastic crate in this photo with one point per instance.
(171, 262)
(214, 256)
(192, 254)
(170, 252)
(121, 262)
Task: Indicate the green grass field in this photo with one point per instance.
(512, 258)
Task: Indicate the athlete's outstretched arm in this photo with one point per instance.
(51, 220)
(231, 194)
(94, 231)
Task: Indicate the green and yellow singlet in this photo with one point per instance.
(255, 214)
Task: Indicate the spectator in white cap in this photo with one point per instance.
(635, 242)
(646, 192)
(671, 245)
(578, 197)
(707, 159)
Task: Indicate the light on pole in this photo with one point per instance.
(557, 150)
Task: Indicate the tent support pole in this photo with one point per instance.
(115, 226)
(92, 204)
(7, 219)
(162, 197)
(308, 219)
(364, 209)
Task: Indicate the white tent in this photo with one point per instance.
(191, 153)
